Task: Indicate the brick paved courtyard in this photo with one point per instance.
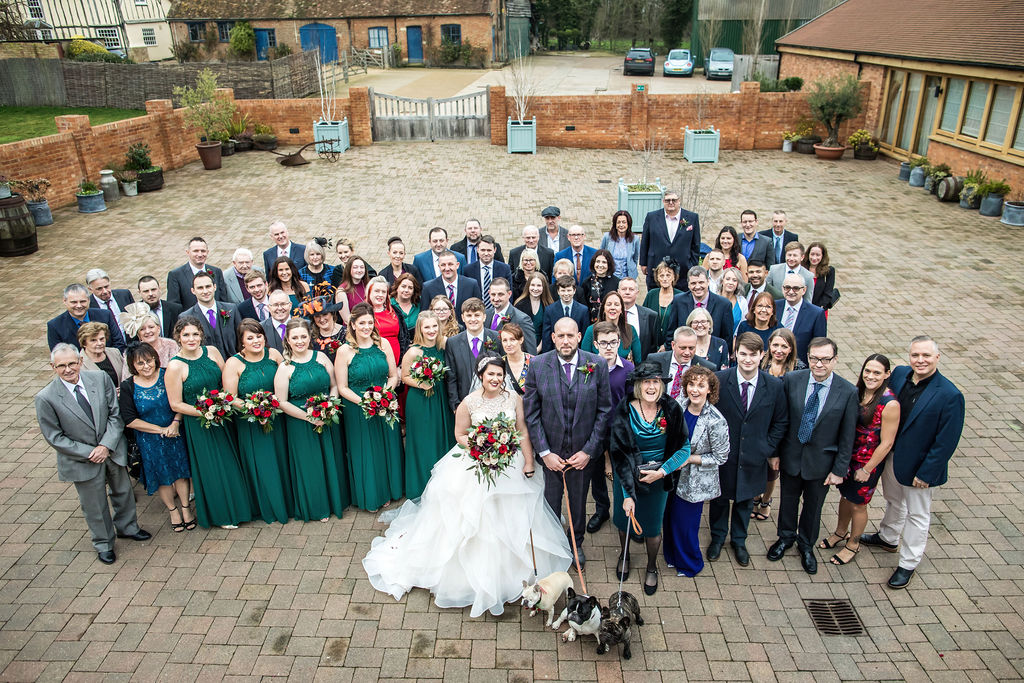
(274, 601)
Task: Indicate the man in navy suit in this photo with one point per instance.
(754, 247)
(578, 253)
(806, 321)
(531, 240)
(779, 236)
(669, 232)
(456, 287)
(467, 245)
(427, 262)
(565, 307)
(111, 300)
(283, 246)
(931, 421)
(699, 296)
(64, 328)
(179, 280)
(486, 269)
(165, 311)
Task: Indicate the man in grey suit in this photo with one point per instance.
(462, 351)
(179, 280)
(777, 273)
(503, 312)
(815, 451)
(283, 246)
(682, 356)
(554, 237)
(78, 416)
(235, 291)
(218, 319)
(280, 312)
(754, 247)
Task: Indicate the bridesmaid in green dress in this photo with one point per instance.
(265, 455)
(375, 448)
(428, 419)
(319, 472)
(223, 496)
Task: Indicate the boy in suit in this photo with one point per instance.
(462, 351)
(565, 307)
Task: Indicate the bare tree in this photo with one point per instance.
(327, 83)
(649, 152)
(649, 15)
(753, 27)
(12, 26)
(710, 32)
(697, 193)
(520, 83)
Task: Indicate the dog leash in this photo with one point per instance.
(625, 549)
(572, 533)
(533, 553)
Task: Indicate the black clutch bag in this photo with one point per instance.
(642, 487)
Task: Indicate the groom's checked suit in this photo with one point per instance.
(564, 417)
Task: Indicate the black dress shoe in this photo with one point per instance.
(876, 540)
(809, 561)
(900, 578)
(107, 556)
(597, 521)
(649, 589)
(140, 535)
(778, 549)
(582, 558)
(714, 551)
(742, 556)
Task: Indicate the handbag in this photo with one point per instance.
(834, 298)
(643, 487)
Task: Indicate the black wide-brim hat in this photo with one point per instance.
(646, 370)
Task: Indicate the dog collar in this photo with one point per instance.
(541, 589)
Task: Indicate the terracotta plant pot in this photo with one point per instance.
(209, 153)
(829, 153)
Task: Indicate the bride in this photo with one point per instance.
(467, 543)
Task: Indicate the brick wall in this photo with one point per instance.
(812, 69)
(30, 50)
(961, 161)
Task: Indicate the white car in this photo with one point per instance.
(678, 63)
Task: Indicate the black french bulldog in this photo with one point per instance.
(583, 612)
(622, 612)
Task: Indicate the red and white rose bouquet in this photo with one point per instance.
(325, 408)
(214, 407)
(428, 371)
(261, 407)
(493, 445)
(380, 402)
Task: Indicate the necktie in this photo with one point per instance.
(568, 371)
(262, 311)
(111, 309)
(700, 304)
(471, 252)
(84, 402)
(451, 294)
(790, 318)
(677, 381)
(282, 328)
(487, 286)
(476, 347)
(810, 415)
(744, 396)
(567, 312)
(750, 298)
(778, 249)
(212, 318)
(579, 266)
(495, 321)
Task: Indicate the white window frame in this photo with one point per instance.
(35, 9)
(141, 2)
(149, 39)
(111, 38)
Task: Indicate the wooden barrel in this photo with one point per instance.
(17, 229)
(949, 188)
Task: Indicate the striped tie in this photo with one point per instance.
(487, 287)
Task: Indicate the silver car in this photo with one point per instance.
(719, 64)
(678, 63)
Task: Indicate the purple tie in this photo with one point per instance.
(744, 396)
(495, 320)
(476, 347)
(212, 318)
(568, 371)
(282, 327)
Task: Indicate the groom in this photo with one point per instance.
(568, 404)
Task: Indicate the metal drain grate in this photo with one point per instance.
(834, 617)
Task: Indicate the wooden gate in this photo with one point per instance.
(451, 118)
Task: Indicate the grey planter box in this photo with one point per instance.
(522, 136)
(701, 146)
(331, 136)
(639, 204)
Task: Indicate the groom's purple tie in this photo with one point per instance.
(568, 371)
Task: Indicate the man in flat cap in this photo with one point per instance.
(554, 237)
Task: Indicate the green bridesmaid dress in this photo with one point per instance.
(223, 496)
(265, 455)
(375, 449)
(318, 469)
(430, 428)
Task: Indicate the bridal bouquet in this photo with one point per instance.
(214, 408)
(428, 371)
(324, 408)
(493, 444)
(380, 402)
(261, 407)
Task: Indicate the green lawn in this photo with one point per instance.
(22, 123)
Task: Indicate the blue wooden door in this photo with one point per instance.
(320, 37)
(262, 43)
(414, 36)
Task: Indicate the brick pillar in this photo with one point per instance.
(499, 114)
(162, 112)
(229, 93)
(360, 129)
(638, 129)
(81, 133)
(746, 128)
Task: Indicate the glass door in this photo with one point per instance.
(893, 96)
(910, 109)
(926, 123)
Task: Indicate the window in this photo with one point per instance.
(452, 33)
(140, 2)
(1018, 137)
(999, 115)
(149, 36)
(951, 109)
(195, 31)
(44, 34)
(224, 31)
(110, 37)
(892, 111)
(35, 9)
(975, 109)
(910, 110)
(271, 37)
(379, 37)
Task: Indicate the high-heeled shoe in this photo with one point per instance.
(179, 526)
(649, 589)
(191, 524)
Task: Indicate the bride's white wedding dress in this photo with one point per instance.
(466, 543)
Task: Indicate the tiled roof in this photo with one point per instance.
(980, 32)
(321, 9)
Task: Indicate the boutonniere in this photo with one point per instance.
(489, 345)
(587, 371)
(504, 319)
(662, 424)
(224, 314)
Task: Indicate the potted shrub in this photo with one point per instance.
(1013, 211)
(227, 143)
(240, 130)
(5, 187)
(129, 181)
(969, 198)
(935, 176)
(150, 177)
(789, 138)
(864, 146)
(264, 137)
(832, 101)
(992, 193)
(90, 197)
(520, 132)
(34, 190)
(701, 145)
(207, 112)
(919, 169)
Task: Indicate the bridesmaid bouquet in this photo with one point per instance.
(214, 408)
(380, 402)
(323, 407)
(493, 444)
(428, 371)
(261, 407)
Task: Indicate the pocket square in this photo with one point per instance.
(689, 228)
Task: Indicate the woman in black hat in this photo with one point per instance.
(328, 332)
(649, 442)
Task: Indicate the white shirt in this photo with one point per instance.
(206, 311)
(552, 241)
(672, 223)
(196, 269)
(750, 390)
(71, 387)
(437, 267)
(673, 367)
(633, 318)
(479, 343)
(286, 250)
(454, 284)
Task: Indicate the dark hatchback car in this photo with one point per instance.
(639, 60)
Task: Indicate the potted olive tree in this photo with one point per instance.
(832, 101)
(34, 191)
(209, 113)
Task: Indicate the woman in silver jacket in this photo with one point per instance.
(698, 478)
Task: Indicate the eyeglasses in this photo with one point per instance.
(699, 322)
(791, 288)
(281, 304)
(67, 366)
(811, 360)
(764, 307)
(606, 344)
(671, 200)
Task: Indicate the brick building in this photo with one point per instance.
(947, 77)
(418, 27)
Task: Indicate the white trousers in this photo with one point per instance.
(908, 512)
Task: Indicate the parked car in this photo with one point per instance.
(719, 64)
(678, 63)
(639, 60)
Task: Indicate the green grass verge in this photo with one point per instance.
(22, 123)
